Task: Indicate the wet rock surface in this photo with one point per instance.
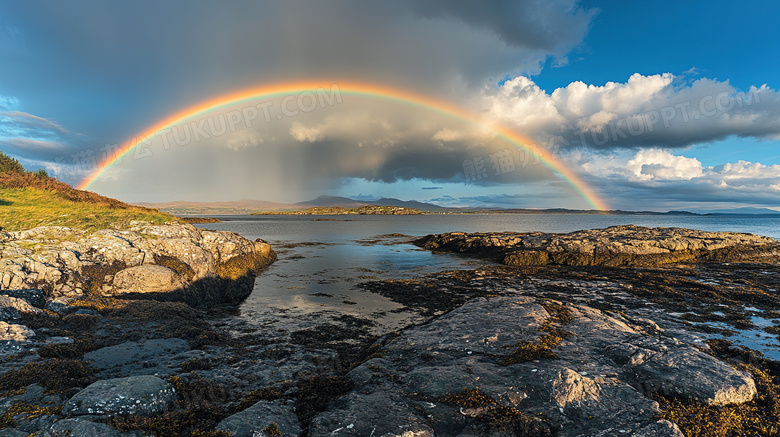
(453, 376)
(504, 350)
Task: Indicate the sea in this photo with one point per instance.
(322, 260)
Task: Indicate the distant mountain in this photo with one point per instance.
(744, 211)
(243, 206)
(681, 213)
(332, 201)
(247, 206)
(389, 201)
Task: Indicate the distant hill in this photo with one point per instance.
(332, 202)
(247, 206)
(744, 211)
(243, 206)
(340, 210)
(422, 206)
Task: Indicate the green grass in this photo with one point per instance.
(26, 208)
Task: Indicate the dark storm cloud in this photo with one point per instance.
(127, 63)
(110, 69)
(544, 25)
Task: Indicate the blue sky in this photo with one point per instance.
(696, 81)
(717, 39)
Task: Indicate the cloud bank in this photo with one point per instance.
(645, 111)
(656, 176)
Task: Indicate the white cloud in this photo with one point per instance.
(243, 139)
(654, 111)
(8, 103)
(302, 133)
(654, 164)
(447, 135)
(655, 175)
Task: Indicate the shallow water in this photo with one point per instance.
(320, 262)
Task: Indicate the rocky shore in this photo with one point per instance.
(617, 246)
(613, 332)
(66, 264)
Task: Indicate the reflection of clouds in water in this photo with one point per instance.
(336, 267)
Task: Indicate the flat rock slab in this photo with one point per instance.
(597, 381)
(260, 417)
(692, 374)
(134, 395)
(376, 414)
(146, 357)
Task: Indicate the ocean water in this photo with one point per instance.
(321, 259)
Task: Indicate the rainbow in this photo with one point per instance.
(351, 88)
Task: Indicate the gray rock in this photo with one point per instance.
(87, 312)
(46, 255)
(254, 420)
(13, 432)
(59, 305)
(188, 251)
(80, 428)
(662, 428)
(17, 333)
(11, 308)
(614, 246)
(141, 395)
(146, 279)
(597, 385)
(572, 389)
(33, 394)
(692, 374)
(374, 414)
(36, 298)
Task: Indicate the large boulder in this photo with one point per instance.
(146, 279)
(211, 267)
(134, 395)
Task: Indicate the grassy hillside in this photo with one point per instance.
(30, 199)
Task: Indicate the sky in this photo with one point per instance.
(639, 105)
